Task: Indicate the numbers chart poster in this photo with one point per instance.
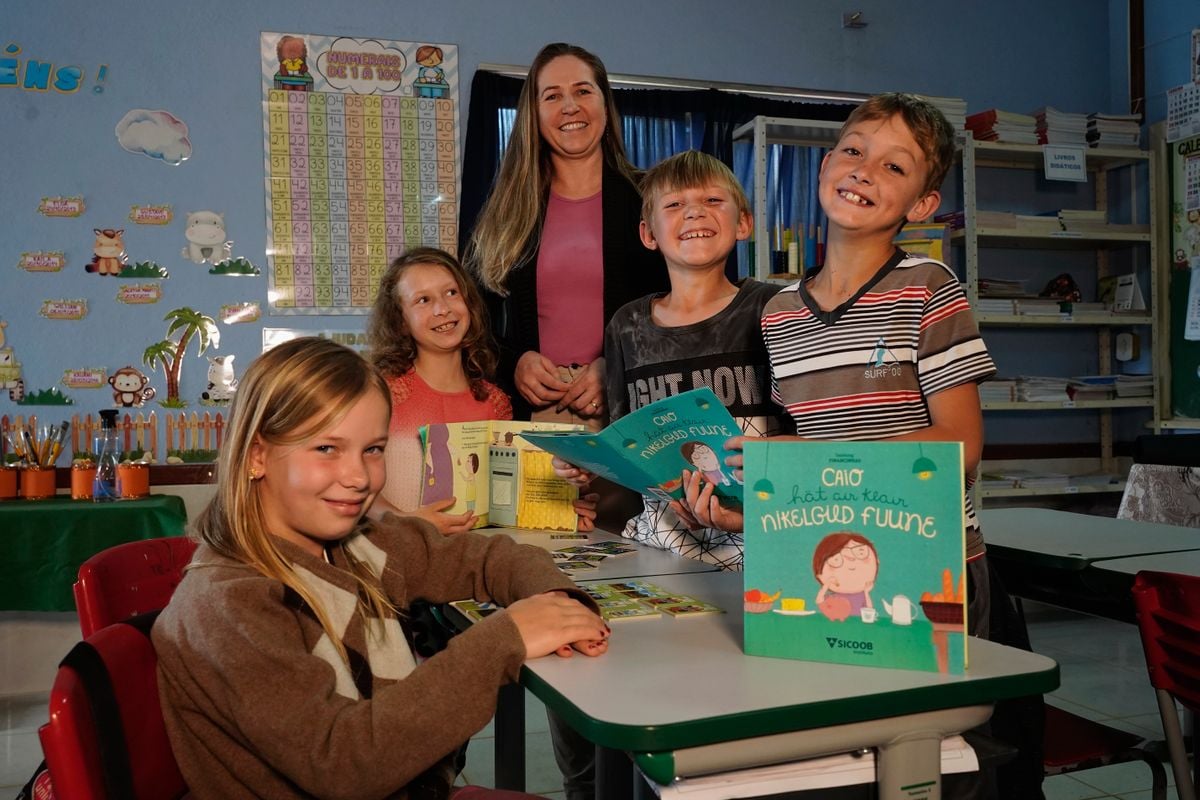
(360, 140)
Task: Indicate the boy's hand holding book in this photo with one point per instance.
(701, 508)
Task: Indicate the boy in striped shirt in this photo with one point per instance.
(877, 344)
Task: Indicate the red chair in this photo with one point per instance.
(129, 579)
(1074, 743)
(1168, 616)
(106, 739)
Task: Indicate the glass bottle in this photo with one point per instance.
(105, 486)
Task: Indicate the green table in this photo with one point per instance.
(1055, 556)
(682, 698)
(45, 541)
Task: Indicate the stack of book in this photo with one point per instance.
(1060, 127)
(996, 305)
(1092, 387)
(1002, 287)
(1135, 385)
(1001, 478)
(1003, 126)
(1037, 389)
(953, 108)
(1039, 307)
(1114, 130)
(998, 390)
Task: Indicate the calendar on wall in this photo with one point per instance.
(360, 141)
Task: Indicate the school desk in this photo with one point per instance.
(45, 541)
(510, 707)
(682, 698)
(1051, 556)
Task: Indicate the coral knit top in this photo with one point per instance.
(416, 403)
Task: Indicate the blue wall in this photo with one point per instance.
(200, 61)
(1169, 25)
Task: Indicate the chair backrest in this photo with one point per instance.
(1168, 616)
(129, 579)
(106, 739)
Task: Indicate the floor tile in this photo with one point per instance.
(20, 754)
(1145, 795)
(541, 771)
(1118, 779)
(1065, 787)
(23, 712)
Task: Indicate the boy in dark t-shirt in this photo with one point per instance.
(703, 332)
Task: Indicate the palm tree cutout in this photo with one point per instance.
(169, 353)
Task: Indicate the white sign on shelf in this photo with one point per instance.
(1065, 162)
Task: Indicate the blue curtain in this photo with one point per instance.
(658, 123)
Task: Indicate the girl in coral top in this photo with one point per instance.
(429, 337)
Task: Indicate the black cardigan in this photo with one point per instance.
(630, 271)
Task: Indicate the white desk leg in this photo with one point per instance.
(910, 766)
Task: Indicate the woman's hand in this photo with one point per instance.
(576, 476)
(586, 395)
(552, 622)
(447, 524)
(700, 507)
(585, 508)
(536, 378)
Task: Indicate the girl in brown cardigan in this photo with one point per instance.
(285, 668)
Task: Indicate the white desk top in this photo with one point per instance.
(669, 683)
(1186, 563)
(1063, 540)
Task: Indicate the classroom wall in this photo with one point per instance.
(200, 61)
(1169, 25)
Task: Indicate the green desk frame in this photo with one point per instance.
(682, 698)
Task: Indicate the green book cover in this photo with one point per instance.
(855, 553)
(648, 450)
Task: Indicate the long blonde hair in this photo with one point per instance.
(287, 395)
(513, 212)
(393, 350)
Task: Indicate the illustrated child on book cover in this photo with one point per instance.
(705, 460)
(846, 565)
(467, 468)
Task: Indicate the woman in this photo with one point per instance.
(556, 245)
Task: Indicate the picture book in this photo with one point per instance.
(474, 610)
(583, 557)
(642, 600)
(647, 450)
(855, 553)
(489, 468)
(624, 600)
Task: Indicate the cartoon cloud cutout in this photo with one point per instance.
(157, 134)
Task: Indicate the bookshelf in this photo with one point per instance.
(760, 133)
(1115, 239)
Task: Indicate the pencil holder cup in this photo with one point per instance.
(37, 483)
(8, 481)
(82, 475)
(133, 480)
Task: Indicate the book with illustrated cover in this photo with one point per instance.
(489, 468)
(648, 449)
(642, 600)
(855, 553)
(475, 610)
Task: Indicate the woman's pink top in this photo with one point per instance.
(570, 280)
(415, 403)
